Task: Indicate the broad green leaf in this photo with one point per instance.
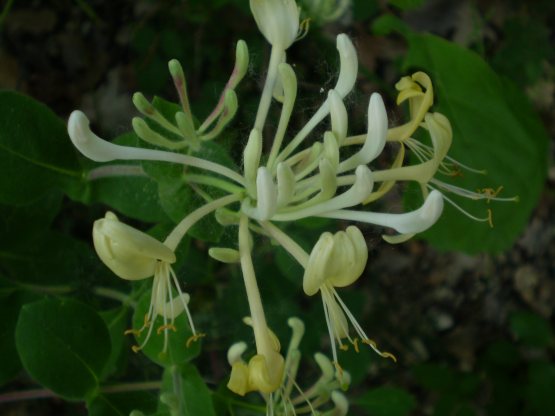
(133, 196)
(189, 394)
(387, 401)
(10, 365)
(525, 45)
(116, 321)
(64, 345)
(179, 350)
(48, 259)
(531, 329)
(19, 224)
(494, 128)
(122, 404)
(36, 153)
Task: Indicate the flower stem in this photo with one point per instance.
(16, 396)
(115, 295)
(266, 98)
(173, 240)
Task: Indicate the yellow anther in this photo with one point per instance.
(146, 322)
(304, 26)
(135, 332)
(389, 355)
(455, 172)
(136, 348)
(164, 327)
(355, 345)
(338, 369)
(194, 338)
(344, 347)
(490, 218)
(374, 346)
(370, 342)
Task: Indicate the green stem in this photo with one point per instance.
(110, 171)
(287, 243)
(172, 241)
(266, 99)
(115, 295)
(16, 396)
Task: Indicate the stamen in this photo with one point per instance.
(490, 218)
(194, 338)
(166, 327)
(135, 332)
(355, 345)
(374, 346)
(136, 348)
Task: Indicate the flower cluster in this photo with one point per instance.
(329, 177)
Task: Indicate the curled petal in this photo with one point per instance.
(348, 65)
(315, 272)
(408, 223)
(375, 138)
(128, 252)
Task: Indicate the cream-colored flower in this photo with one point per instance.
(134, 255)
(278, 20)
(338, 260)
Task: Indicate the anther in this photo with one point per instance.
(490, 218)
(135, 332)
(164, 327)
(194, 338)
(136, 348)
(355, 345)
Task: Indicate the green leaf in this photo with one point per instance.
(116, 322)
(36, 153)
(10, 365)
(189, 394)
(19, 224)
(64, 345)
(121, 404)
(48, 259)
(387, 401)
(531, 329)
(178, 352)
(494, 128)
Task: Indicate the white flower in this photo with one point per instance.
(134, 255)
(278, 20)
(338, 260)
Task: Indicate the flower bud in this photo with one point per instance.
(278, 20)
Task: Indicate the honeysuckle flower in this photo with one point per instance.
(297, 179)
(134, 255)
(264, 370)
(338, 260)
(277, 20)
